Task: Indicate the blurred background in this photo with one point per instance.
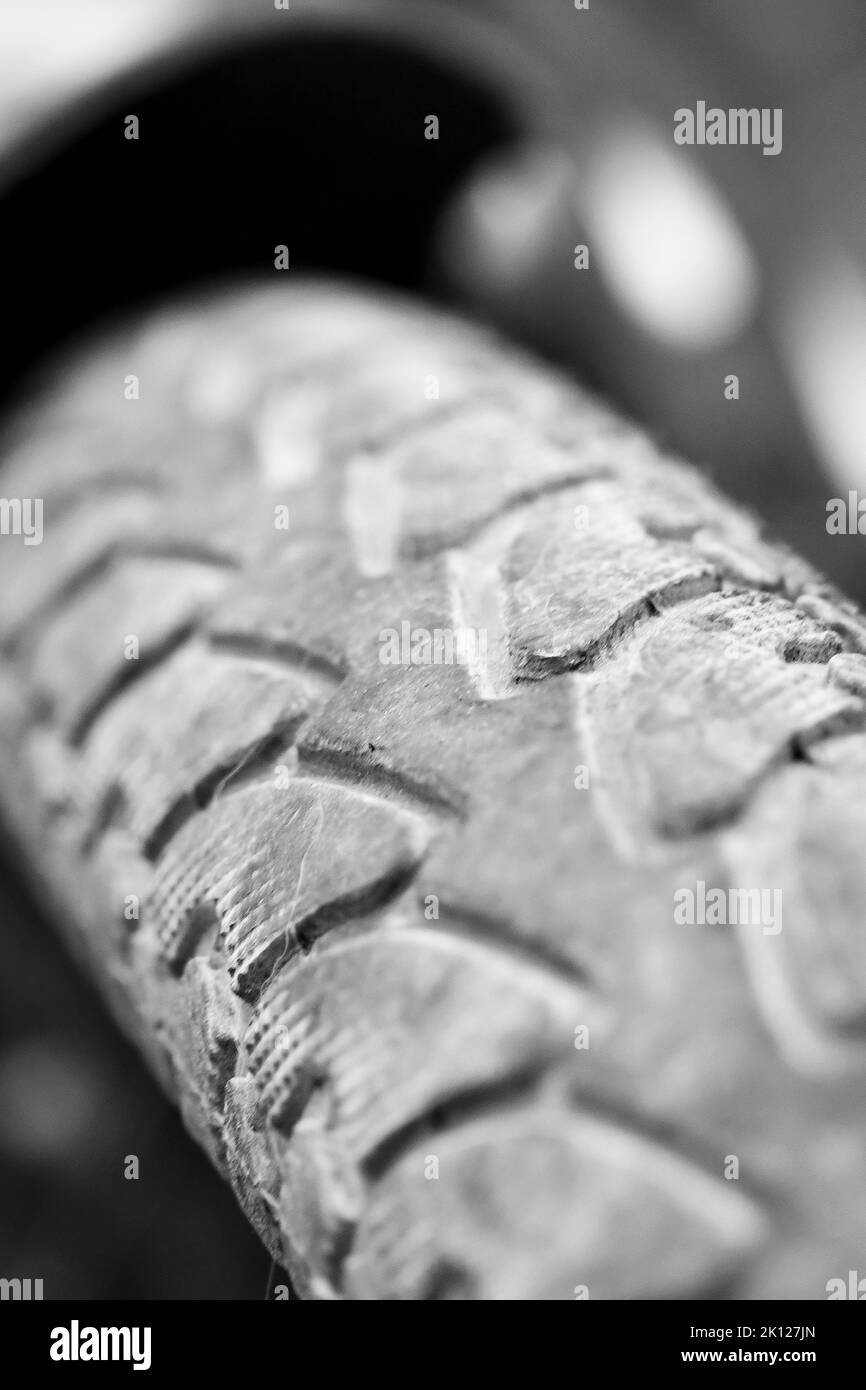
(305, 126)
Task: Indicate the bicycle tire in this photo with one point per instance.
(399, 934)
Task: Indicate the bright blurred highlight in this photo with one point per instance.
(666, 244)
(822, 334)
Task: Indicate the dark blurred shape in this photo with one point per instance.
(317, 143)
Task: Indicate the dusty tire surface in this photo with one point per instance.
(371, 707)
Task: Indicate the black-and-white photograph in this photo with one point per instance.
(433, 666)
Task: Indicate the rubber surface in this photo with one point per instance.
(393, 912)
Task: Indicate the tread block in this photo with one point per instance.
(809, 979)
(307, 602)
(225, 716)
(272, 868)
(702, 703)
(464, 472)
(79, 660)
(72, 546)
(394, 1024)
(575, 588)
(583, 1189)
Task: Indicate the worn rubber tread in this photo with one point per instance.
(400, 937)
